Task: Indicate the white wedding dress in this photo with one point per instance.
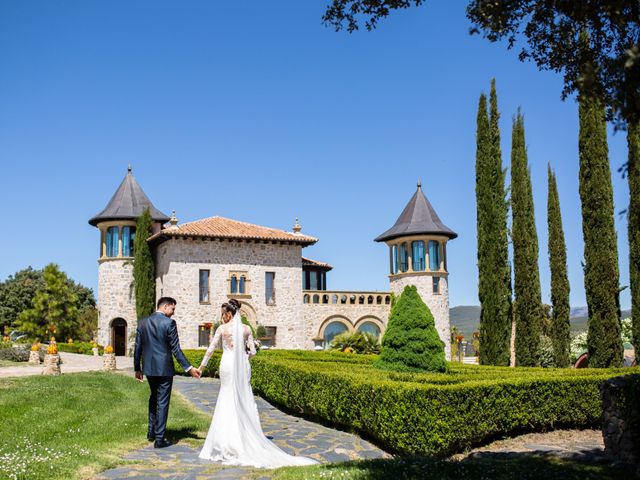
(235, 436)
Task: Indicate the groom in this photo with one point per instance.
(156, 340)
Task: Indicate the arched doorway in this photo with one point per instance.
(119, 336)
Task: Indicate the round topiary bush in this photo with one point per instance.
(411, 341)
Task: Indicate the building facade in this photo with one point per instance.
(206, 262)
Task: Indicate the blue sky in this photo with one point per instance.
(256, 111)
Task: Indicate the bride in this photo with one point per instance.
(235, 436)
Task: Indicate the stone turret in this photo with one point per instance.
(117, 225)
(418, 256)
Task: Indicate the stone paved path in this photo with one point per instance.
(71, 363)
(294, 435)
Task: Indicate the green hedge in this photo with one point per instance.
(433, 414)
(84, 348)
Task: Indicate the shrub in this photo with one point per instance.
(194, 357)
(356, 342)
(578, 345)
(18, 353)
(430, 413)
(411, 342)
(546, 354)
(84, 348)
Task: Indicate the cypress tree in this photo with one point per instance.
(560, 326)
(601, 278)
(528, 299)
(494, 282)
(144, 267)
(411, 341)
(633, 141)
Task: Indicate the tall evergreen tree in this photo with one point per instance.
(560, 326)
(601, 277)
(633, 141)
(494, 282)
(144, 267)
(528, 299)
(54, 309)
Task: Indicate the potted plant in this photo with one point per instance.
(51, 360)
(34, 354)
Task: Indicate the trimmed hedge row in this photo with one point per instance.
(84, 348)
(427, 414)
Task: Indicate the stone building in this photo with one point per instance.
(206, 262)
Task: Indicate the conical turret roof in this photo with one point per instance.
(128, 203)
(418, 217)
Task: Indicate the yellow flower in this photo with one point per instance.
(53, 349)
(35, 347)
(108, 349)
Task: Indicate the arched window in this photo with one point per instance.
(418, 259)
(331, 330)
(241, 288)
(379, 300)
(316, 298)
(334, 298)
(369, 327)
(128, 237)
(234, 284)
(325, 299)
(352, 299)
(387, 300)
(394, 259)
(343, 299)
(370, 300)
(305, 299)
(112, 241)
(434, 255)
(361, 300)
(404, 258)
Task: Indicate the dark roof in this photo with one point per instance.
(307, 262)
(225, 228)
(418, 217)
(128, 203)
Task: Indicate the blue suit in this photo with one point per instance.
(156, 342)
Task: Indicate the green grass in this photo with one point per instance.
(516, 466)
(10, 363)
(75, 425)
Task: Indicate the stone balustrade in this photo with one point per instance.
(337, 297)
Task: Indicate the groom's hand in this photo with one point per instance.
(139, 376)
(194, 372)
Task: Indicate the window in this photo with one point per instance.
(436, 284)
(434, 255)
(204, 286)
(112, 241)
(418, 256)
(394, 259)
(242, 285)
(204, 331)
(269, 288)
(239, 283)
(313, 277)
(370, 327)
(233, 284)
(333, 329)
(128, 237)
(404, 258)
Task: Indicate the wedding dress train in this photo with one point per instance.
(235, 436)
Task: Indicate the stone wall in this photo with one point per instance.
(621, 418)
(116, 298)
(177, 271)
(317, 316)
(438, 303)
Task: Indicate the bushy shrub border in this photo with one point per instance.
(84, 348)
(425, 413)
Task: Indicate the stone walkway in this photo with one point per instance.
(294, 435)
(71, 363)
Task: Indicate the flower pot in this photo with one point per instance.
(109, 362)
(51, 365)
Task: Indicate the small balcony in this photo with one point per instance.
(335, 297)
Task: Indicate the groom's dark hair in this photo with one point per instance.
(166, 301)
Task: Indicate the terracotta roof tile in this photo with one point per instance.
(219, 227)
(315, 263)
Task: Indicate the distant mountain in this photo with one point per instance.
(466, 318)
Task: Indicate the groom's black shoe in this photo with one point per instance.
(151, 438)
(162, 443)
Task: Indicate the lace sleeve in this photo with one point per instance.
(249, 343)
(217, 340)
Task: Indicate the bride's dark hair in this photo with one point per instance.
(232, 306)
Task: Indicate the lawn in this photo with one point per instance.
(75, 425)
(516, 466)
(10, 363)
